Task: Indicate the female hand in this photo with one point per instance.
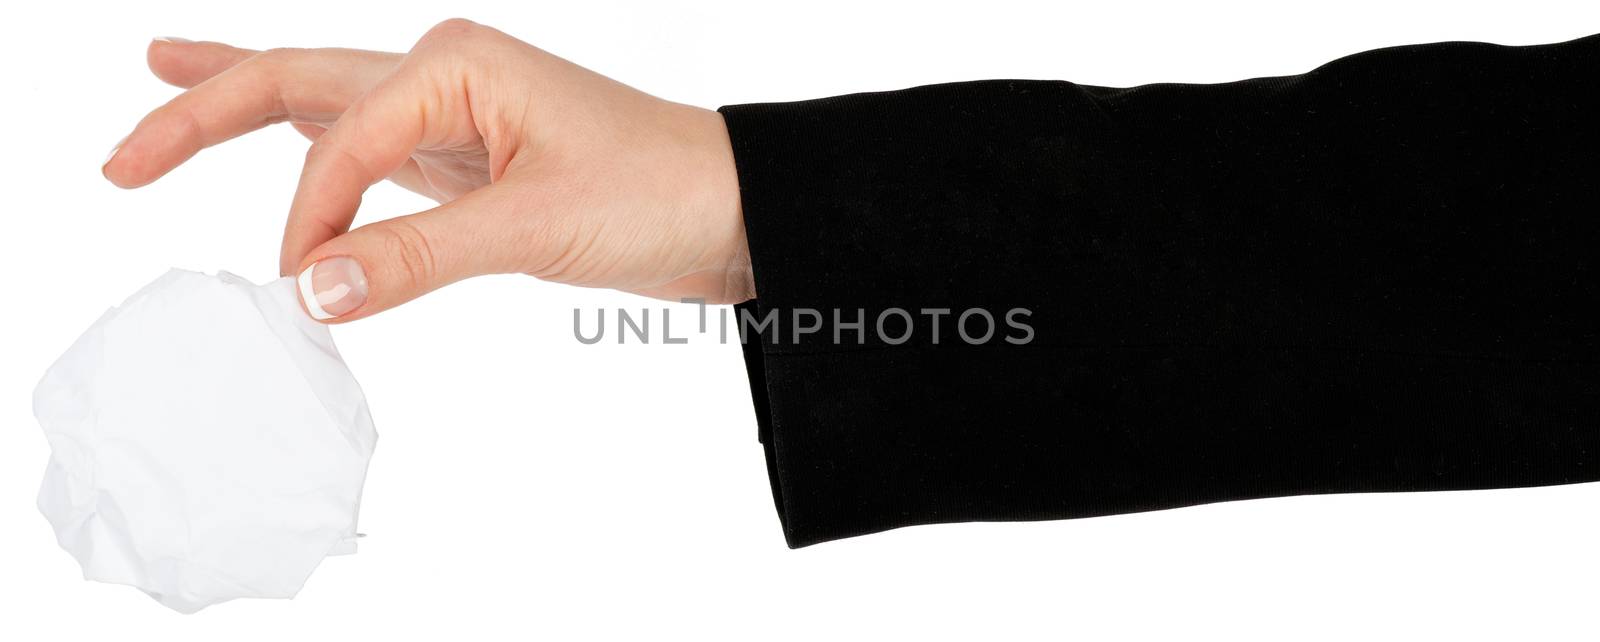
(539, 166)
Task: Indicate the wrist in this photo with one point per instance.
(725, 212)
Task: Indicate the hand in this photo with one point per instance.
(540, 167)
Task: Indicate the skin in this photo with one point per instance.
(539, 166)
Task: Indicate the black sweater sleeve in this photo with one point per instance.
(1380, 275)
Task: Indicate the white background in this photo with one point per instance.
(528, 486)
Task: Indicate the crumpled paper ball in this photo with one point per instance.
(207, 443)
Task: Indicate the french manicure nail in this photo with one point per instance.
(173, 40)
(333, 287)
(112, 154)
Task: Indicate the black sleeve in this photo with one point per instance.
(1380, 275)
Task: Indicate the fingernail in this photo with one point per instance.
(112, 155)
(333, 287)
(173, 40)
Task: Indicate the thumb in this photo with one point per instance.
(379, 266)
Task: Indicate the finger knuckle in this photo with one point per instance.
(273, 68)
(411, 251)
(453, 29)
(276, 59)
(461, 42)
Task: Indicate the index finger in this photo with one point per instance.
(373, 138)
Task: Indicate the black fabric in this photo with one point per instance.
(1380, 275)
